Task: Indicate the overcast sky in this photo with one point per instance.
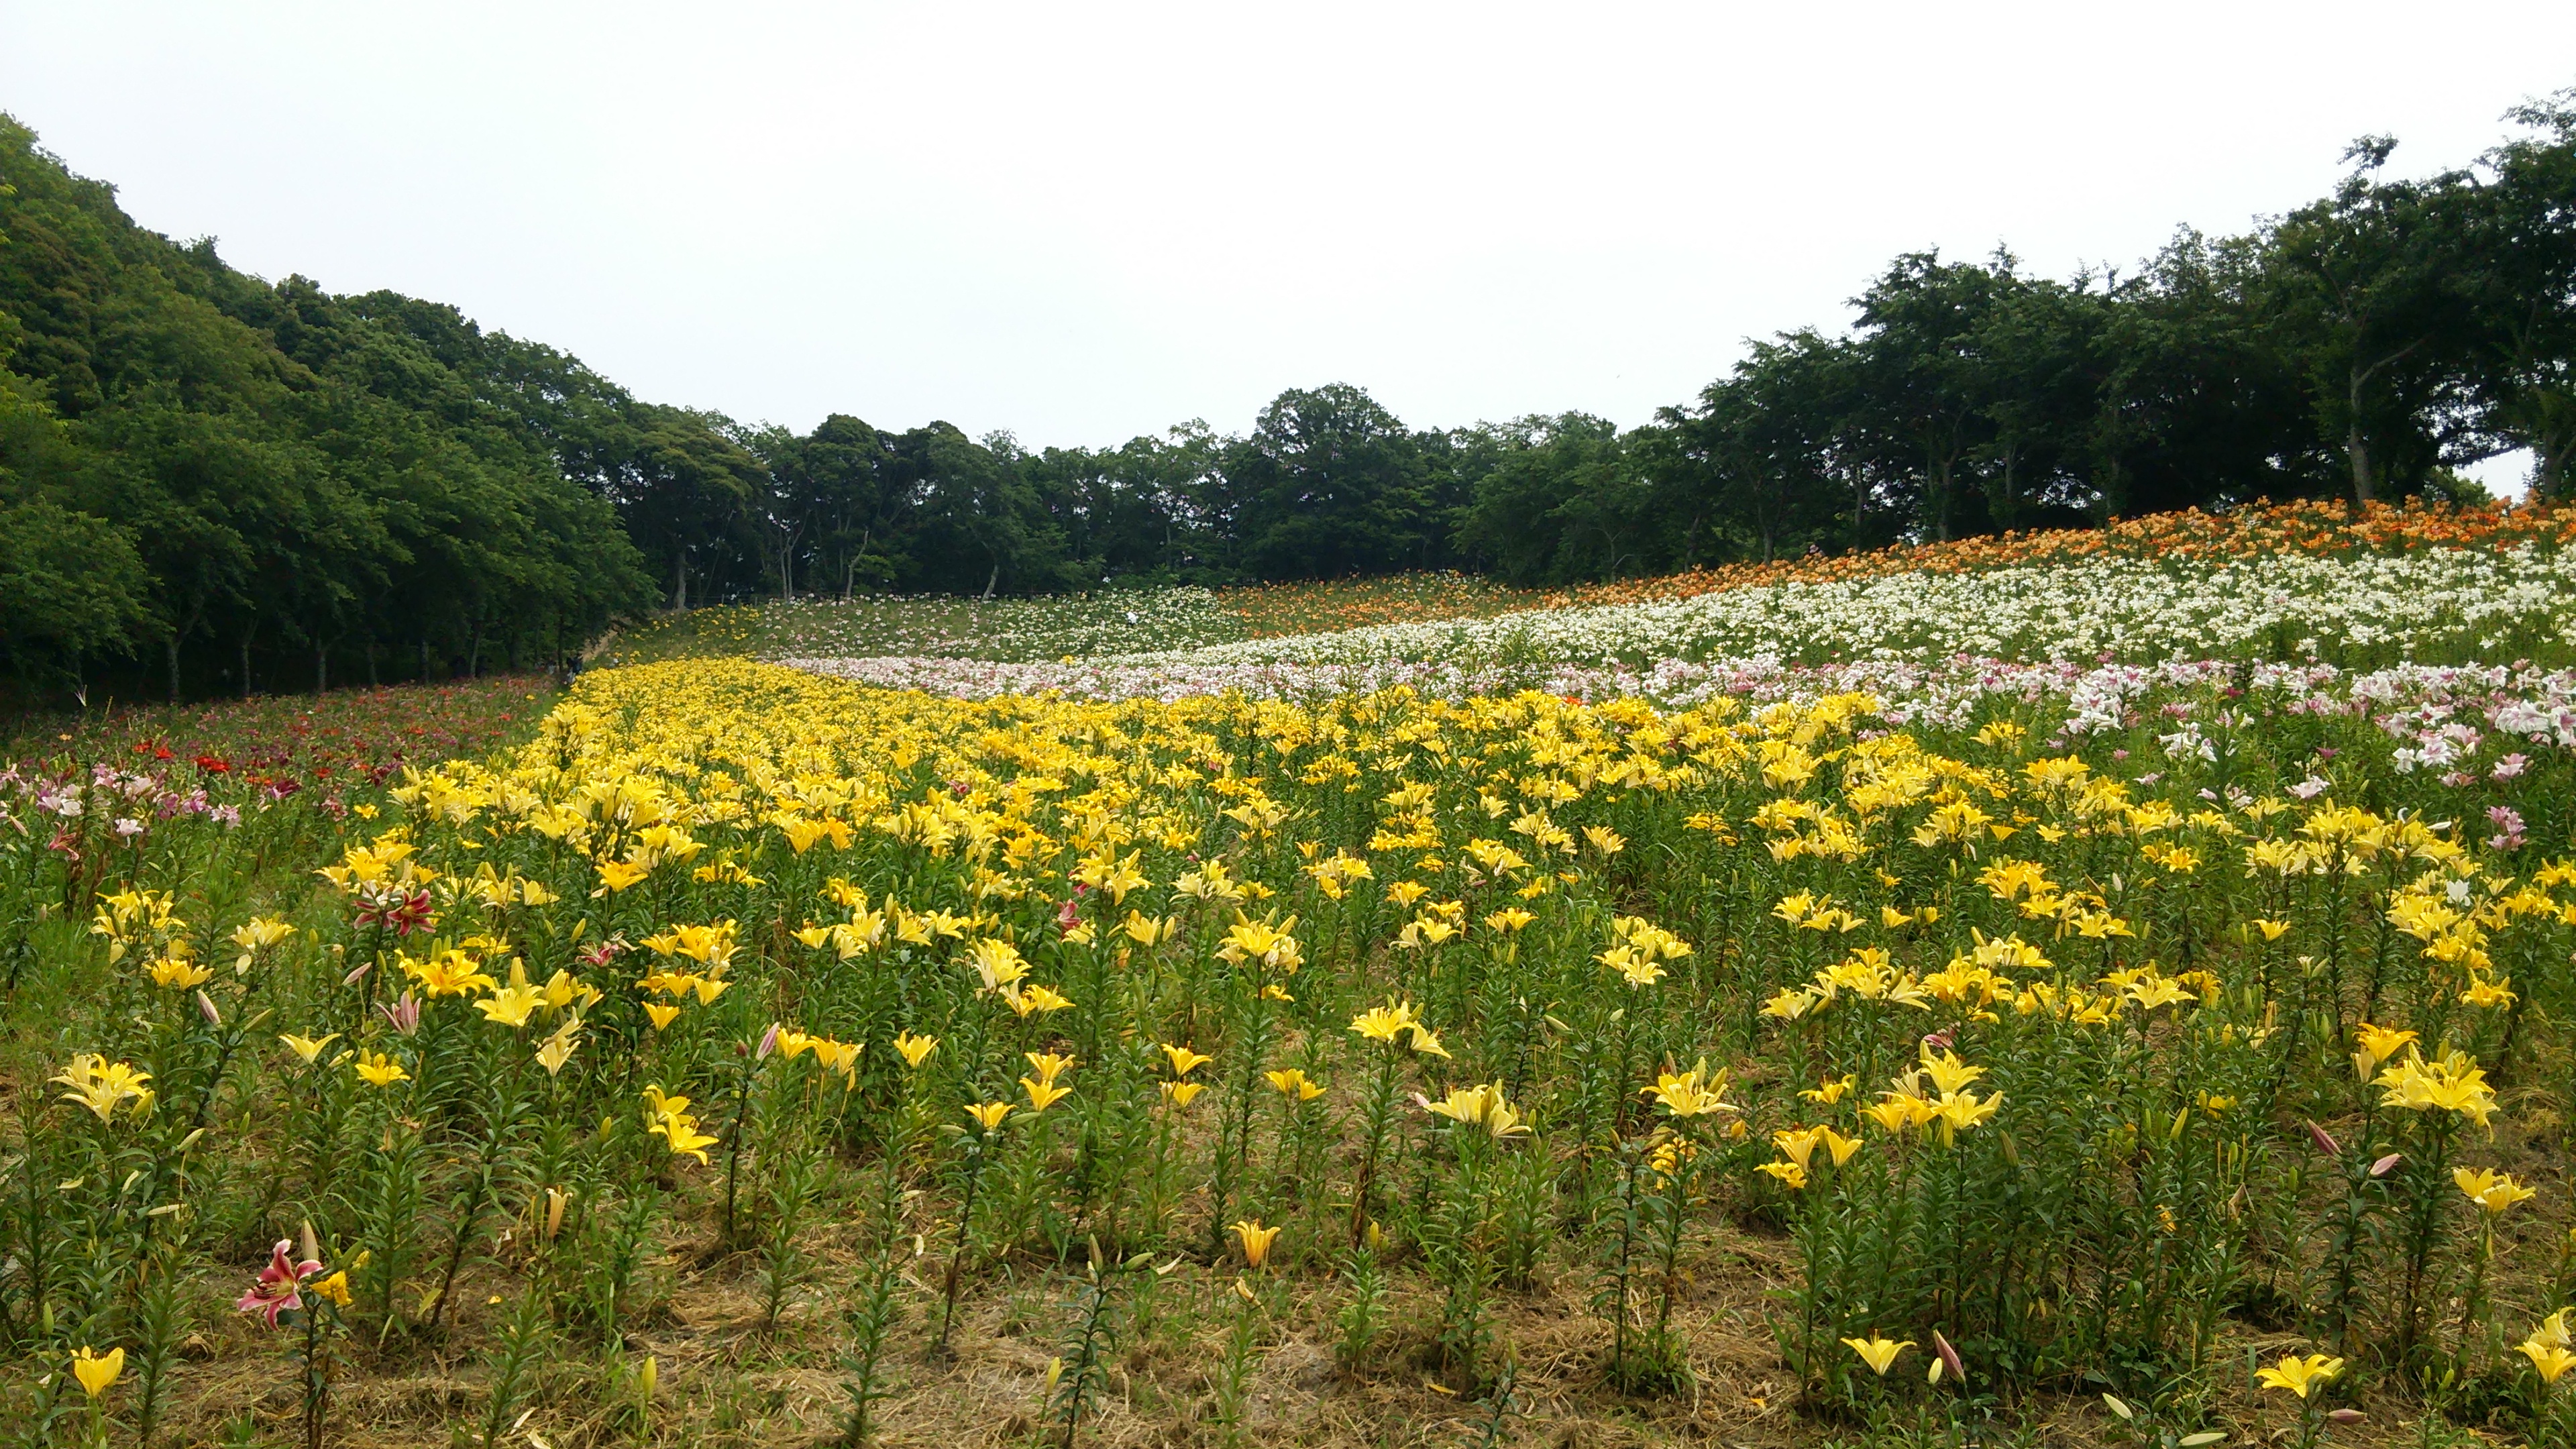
(1081, 223)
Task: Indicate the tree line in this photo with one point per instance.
(2367, 345)
(210, 482)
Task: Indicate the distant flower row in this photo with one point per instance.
(1265, 611)
(2369, 608)
(1045, 627)
(2460, 722)
(2306, 528)
(1114, 621)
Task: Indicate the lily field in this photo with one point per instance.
(2109, 987)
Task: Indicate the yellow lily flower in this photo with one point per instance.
(306, 1048)
(1256, 1241)
(511, 1005)
(2300, 1376)
(97, 1372)
(1384, 1023)
(1292, 1084)
(2493, 1192)
(1791, 1174)
(379, 1070)
(1879, 1353)
(681, 1131)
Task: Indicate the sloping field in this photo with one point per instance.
(2116, 998)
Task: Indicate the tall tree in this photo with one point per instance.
(2357, 285)
(1329, 483)
(2520, 283)
(1919, 325)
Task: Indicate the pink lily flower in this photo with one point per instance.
(275, 1292)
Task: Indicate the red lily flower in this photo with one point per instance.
(403, 914)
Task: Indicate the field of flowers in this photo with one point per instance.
(2159, 1054)
(278, 745)
(278, 777)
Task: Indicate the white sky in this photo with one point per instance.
(1082, 223)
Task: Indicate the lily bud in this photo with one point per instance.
(2386, 1165)
(2324, 1140)
(404, 1014)
(2345, 1416)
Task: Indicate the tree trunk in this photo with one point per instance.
(679, 582)
(245, 653)
(424, 659)
(2549, 454)
(170, 646)
(850, 574)
(321, 667)
(2011, 502)
(991, 579)
(2365, 476)
(2107, 489)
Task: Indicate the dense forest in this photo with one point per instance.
(210, 482)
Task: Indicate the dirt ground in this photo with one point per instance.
(725, 1380)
